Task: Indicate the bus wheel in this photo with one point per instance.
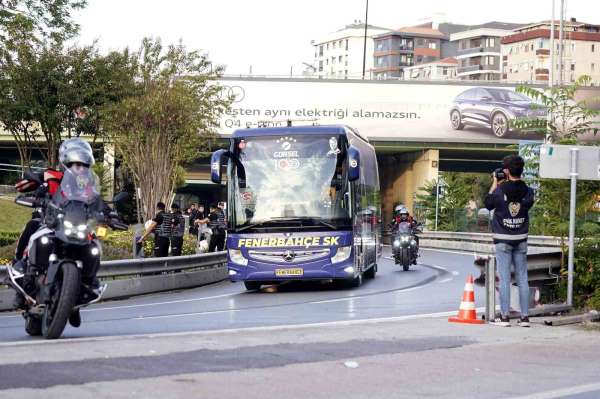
(252, 285)
(371, 272)
(355, 282)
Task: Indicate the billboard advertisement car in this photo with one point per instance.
(383, 110)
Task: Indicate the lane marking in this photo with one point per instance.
(142, 305)
(559, 393)
(238, 330)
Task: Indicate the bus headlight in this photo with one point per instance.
(342, 254)
(396, 243)
(236, 257)
(413, 243)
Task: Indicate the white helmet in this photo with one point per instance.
(75, 150)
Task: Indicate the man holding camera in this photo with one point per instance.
(510, 199)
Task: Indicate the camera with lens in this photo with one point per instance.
(499, 174)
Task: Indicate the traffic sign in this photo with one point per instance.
(555, 162)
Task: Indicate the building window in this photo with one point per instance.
(320, 66)
(379, 45)
(340, 44)
(333, 45)
(346, 73)
(490, 42)
(419, 59)
(432, 45)
(332, 60)
(346, 60)
(444, 71)
(379, 61)
(327, 61)
(420, 42)
(572, 47)
(346, 44)
(572, 67)
(321, 50)
(593, 68)
(593, 48)
(340, 59)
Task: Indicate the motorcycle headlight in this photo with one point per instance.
(67, 224)
(236, 257)
(396, 243)
(413, 243)
(342, 254)
(405, 238)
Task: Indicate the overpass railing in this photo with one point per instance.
(131, 277)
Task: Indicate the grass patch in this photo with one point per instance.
(13, 217)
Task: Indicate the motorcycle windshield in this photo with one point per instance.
(404, 228)
(79, 185)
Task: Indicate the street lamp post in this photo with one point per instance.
(365, 39)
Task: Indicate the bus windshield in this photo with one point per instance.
(296, 177)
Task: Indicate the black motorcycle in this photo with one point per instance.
(63, 255)
(405, 245)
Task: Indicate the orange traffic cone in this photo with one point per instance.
(466, 312)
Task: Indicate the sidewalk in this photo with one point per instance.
(411, 358)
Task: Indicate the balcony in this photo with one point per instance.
(542, 71)
(542, 52)
(469, 68)
(475, 50)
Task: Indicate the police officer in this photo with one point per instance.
(177, 230)
(216, 222)
(161, 226)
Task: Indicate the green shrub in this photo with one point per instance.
(8, 237)
(121, 242)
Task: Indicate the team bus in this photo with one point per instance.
(303, 204)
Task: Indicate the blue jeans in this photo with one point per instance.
(507, 255)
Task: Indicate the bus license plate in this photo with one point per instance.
(288, 272)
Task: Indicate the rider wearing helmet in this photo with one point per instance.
(74, 154)
(401, 214)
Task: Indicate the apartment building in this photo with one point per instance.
(478, 50)
(526, 52)
(444, 69)
(339, 55)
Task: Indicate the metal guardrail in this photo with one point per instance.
(131, 277)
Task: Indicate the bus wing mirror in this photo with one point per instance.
(215, 166)
(353, 163)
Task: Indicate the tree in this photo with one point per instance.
(177, 110)
(459, 189)
(33, 20)
(48, 92)
(568, 118)
(570, 121)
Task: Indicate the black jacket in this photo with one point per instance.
(510, 202)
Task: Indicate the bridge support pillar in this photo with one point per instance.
(401, 175)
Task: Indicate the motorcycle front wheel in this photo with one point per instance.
(405, 258)
(63, 299)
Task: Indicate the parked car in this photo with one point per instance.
(492, 108)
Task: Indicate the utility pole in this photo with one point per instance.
(365, 39)
(560, 43)
(552, 48)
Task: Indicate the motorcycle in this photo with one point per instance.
(64, 254)
(405, 246)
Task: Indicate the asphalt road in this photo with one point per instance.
(388, 339)
(435, 285)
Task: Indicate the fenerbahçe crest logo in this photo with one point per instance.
(514, 208)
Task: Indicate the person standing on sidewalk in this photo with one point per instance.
(511, 199)
(161, 226)
(177, 230)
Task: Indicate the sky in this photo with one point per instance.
(273, 36)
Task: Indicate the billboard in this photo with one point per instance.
(383, 110)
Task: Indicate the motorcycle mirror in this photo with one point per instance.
(29, 175)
